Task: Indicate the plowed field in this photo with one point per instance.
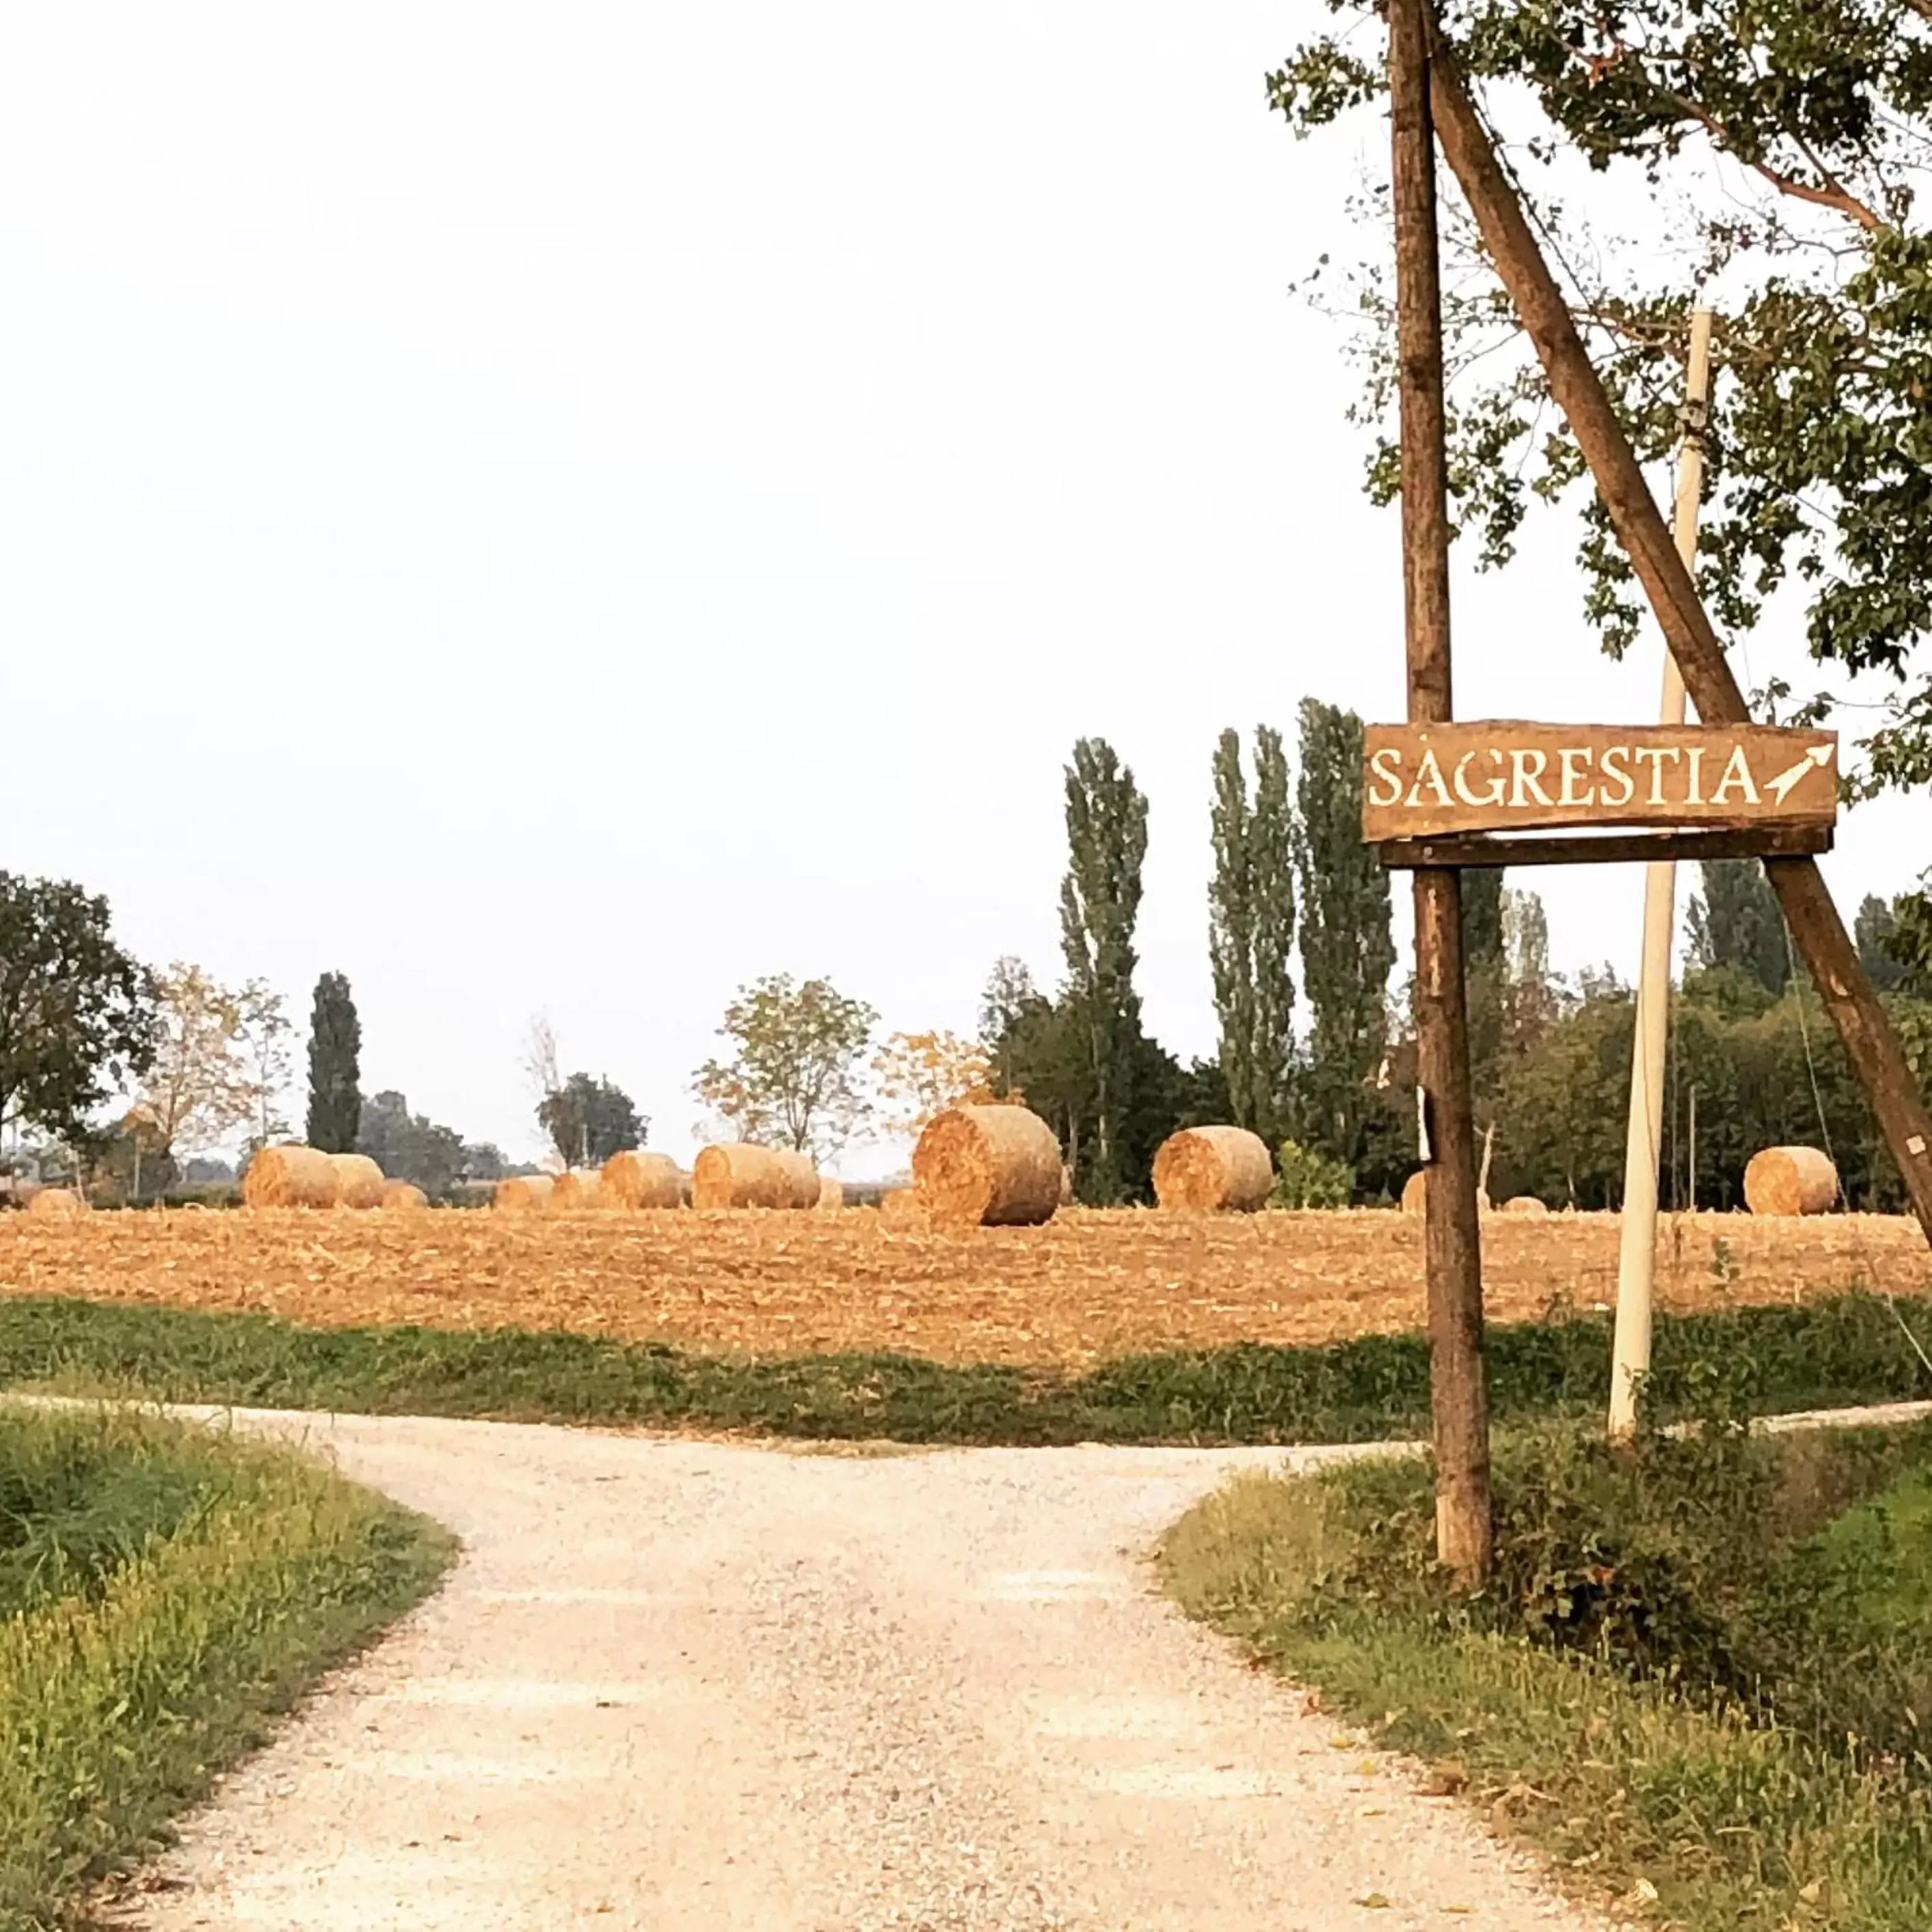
(1088, 1285)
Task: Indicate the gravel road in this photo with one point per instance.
(689, 1684)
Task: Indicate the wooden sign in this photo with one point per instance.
(1424, 780)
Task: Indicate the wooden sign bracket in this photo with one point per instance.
(1477, 850)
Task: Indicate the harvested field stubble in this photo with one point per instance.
(1087, 1286)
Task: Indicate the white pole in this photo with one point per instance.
(1636, 1257)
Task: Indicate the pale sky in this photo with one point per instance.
(573, 508)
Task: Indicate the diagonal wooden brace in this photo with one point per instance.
(1816, 929)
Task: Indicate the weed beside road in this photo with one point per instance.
(163, 1591)
(1701, 1680)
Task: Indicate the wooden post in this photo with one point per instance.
(1459, 1389)
(1816, 930)
(1636, 1257)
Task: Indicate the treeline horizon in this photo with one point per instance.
(1317, 1052)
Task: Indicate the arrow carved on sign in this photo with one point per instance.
(1816, 758)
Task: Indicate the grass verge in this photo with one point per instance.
(1699, 1682)
(1845, 1350)
(166, 1591)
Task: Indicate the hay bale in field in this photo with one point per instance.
(1415, 1195)
(56, 1204)
(831, 1195)
(400, 1196)
(578, 1187)
(635, 1179)
(1213, 1171)
(1790, 1181)
(291, 1177)
(992, 1167)
(1526, 1207)
(898, 1207)
(359, 1182)
(523, 1194)
(735, 1174)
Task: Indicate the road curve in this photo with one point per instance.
(679, 1683)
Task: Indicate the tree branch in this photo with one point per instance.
(1832, 193)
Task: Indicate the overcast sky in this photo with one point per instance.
(573, 508)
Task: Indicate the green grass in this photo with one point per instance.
(1699, 1681)
(1846, 1350)
(163, 1591)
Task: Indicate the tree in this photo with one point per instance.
(1009, 989)
(589, 1121)
(1251, 930)
(335, 1067)
(792, 1075)
(411, 1147)
(1737, 922)
(1099, 902)
(920, 1075)
(77, 1013)
(1910, 942)
(198, 1088)
(1790, 136)
(1347, 951)
(1875, 932)
(263, 1040)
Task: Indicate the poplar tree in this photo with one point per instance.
(335, 1067)
(1347, 951)
(1099, 902)
(1736, 922)
(1251, 930)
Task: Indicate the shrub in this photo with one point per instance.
(1306, 1178)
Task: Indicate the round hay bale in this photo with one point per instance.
(578, 1187)
(1526, 1207)
(831, 1195)
(1790, 1181)
(400, 1196)
(1213, 1171)
(635, 1179)
(359, 1180)
(735, 1174)
(990, 1167)
(1415, 1195)
(57, 1204)
(523, 1194)
(291, 1177)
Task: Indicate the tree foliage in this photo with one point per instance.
(1737, 922)
(264, 1043)
(920, 1075)
(792, 1078)
(1099, 903)
(1785, 145)
(199, 1086)
(589, 1121)
(1251, 930)
(1347, 951)
(335, 1067)
(76, 1012)
(411, 1147)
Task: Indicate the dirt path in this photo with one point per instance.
(686, 1685)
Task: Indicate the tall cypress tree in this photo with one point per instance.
(335, 1067)
(1251, 930)
(1739, 922)
(1099, 901)
(1347, 950)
